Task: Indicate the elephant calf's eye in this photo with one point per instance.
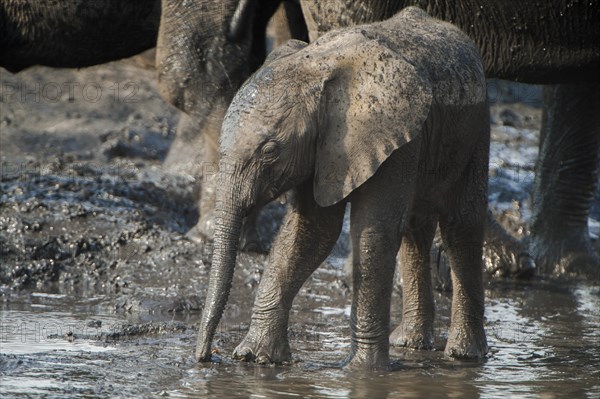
(270, 150)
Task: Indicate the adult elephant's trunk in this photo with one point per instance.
(226, 238)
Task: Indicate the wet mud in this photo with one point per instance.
(101, 290)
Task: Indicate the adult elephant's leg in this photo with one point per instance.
(203, 162)
(416, 328)
(185, 153)
(307, 236)
(566, 180)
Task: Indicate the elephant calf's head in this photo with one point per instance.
(334, 110)
(269, 132)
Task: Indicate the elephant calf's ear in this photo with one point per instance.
(374, 103)
(287, 48)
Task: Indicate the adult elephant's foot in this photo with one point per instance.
(199, 235)
(570, 254)
(413, 334)
(250, 240)
(203, 231)
(503, 256)
(466, 342)
(264, 346)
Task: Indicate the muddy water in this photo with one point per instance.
(544, 341)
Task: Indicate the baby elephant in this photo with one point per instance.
(391, 117)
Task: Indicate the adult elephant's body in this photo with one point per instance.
(542, 42)
(74, 33)
(557, 43)
(203, 56)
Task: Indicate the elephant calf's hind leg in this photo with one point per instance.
(462, 232)
(416, 329)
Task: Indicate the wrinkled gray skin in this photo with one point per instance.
(74, 33)
(362, 115)
(554, 42)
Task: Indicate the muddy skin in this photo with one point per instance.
(266, 153)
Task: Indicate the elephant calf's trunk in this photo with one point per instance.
(227, 233)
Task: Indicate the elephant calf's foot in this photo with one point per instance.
(264, 347)
(372, 358)
(566, 256)
(412, 335)
(466, 343)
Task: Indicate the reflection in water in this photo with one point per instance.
(544, 340)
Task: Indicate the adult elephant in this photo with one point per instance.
(74, 33)
(205, 51)
(555, 43)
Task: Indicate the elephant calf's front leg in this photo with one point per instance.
(307, 236)
(374, 254)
